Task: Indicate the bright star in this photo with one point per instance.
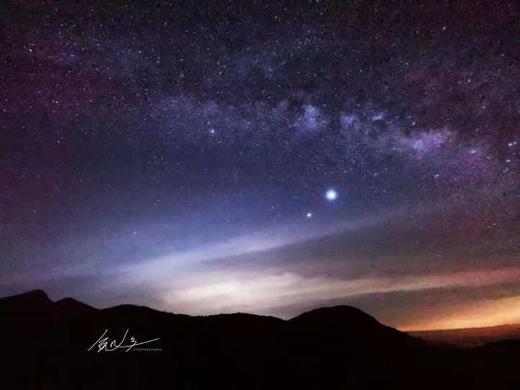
(331, 194)
(308, 215)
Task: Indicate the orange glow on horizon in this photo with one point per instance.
(486, 313)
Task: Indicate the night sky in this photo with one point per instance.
(271, 158)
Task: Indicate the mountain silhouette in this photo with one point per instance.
(55, 345)
(73, 306)
(34, 301)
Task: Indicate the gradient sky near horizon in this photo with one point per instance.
(262, 157)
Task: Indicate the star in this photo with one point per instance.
(308, 215)
(331, 195)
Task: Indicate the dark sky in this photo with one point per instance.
(234, 156)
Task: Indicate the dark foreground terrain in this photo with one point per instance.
(45, 345)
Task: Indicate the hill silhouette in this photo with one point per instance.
(54, 345)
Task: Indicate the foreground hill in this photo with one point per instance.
(68, 345)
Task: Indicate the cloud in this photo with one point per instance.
(240, 291)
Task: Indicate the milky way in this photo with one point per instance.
(261, 157)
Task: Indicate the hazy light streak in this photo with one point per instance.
(230, 292)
